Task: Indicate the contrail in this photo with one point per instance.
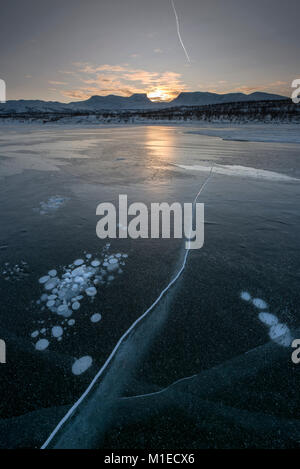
(178, 31)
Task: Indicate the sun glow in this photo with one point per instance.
(159, 95)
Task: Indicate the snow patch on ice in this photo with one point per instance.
(241, 171)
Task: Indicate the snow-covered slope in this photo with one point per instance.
(97, 103)
(199, 98)
(136, 101)
(21, 106)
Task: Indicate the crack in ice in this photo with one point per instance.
(126, 334)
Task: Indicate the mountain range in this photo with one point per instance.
(135, 101)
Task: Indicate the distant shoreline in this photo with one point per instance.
(276, 111)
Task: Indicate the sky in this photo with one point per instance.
(69, 50)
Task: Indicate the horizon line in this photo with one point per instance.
(146, 94)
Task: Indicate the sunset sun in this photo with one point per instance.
(159, 95)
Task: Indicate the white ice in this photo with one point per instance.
(241, 171)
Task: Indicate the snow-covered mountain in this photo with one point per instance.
(98, 103)
(23, 106)
(136, 101)
(199, 98)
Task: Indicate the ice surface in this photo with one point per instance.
(261, 132)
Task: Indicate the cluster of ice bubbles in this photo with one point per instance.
(15, 272)
(63, 295)
(278, 332)
(53, 203)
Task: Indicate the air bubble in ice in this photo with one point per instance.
(42, 344)
(259, 303)
(268, 319)
(81, 365)
(96, 317)
(57, 331)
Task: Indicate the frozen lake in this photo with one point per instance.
(228, 321)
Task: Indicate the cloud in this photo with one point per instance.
(67, 72)
(223, 86)
(122, 80)
(57, 82)
(158, 51)
(76, 94)
(88, 68)
(275, 87)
